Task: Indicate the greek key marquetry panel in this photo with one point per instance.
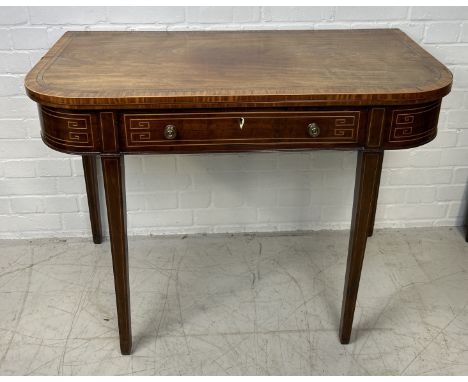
(144, 130)
(413, 124)
(139, 131)
(71, 131)
(345, 126)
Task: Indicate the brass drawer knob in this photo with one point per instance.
(313, 129)
(170, 132)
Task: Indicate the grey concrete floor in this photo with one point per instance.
(237, 304)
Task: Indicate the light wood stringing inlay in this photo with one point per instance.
(345, 128)
(403, 121)
(77, 129)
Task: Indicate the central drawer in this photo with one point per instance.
(240, 131)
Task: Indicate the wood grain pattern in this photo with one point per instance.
(210, 130)
(92, 191)
(375, 128)
(242, 131)
(186, 69)
(367, 175)
(109, 132)
(412, 125)
(114, 184)
(69, 131)
(375, 195)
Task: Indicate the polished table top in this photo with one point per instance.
(163, 69)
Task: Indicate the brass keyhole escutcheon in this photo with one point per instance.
(313, 129)
(241, 123)
(170, 132)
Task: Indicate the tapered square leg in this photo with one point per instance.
(367, 175)
(92, 191)
(114, 185)
(375, 197)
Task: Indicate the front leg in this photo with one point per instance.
(368, 170)
(114, 184)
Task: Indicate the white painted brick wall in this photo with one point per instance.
(42, 192)
(442, 32)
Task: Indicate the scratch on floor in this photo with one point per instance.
(76, 312)
(432, 340)
(19, 314)
(306, 318)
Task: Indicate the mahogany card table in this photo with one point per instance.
(103, 95)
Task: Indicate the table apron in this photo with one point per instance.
(153, 131)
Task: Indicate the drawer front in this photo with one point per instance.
(241, 131)
(69, 131)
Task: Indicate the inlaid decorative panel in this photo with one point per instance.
(146, 130)
(414, 124)
(73, 131)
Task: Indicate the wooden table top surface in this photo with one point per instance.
(326, 67)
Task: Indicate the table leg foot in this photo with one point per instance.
(114, 184)
(92, 191)
(344, 340)
(367, 176)
(126, 347)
